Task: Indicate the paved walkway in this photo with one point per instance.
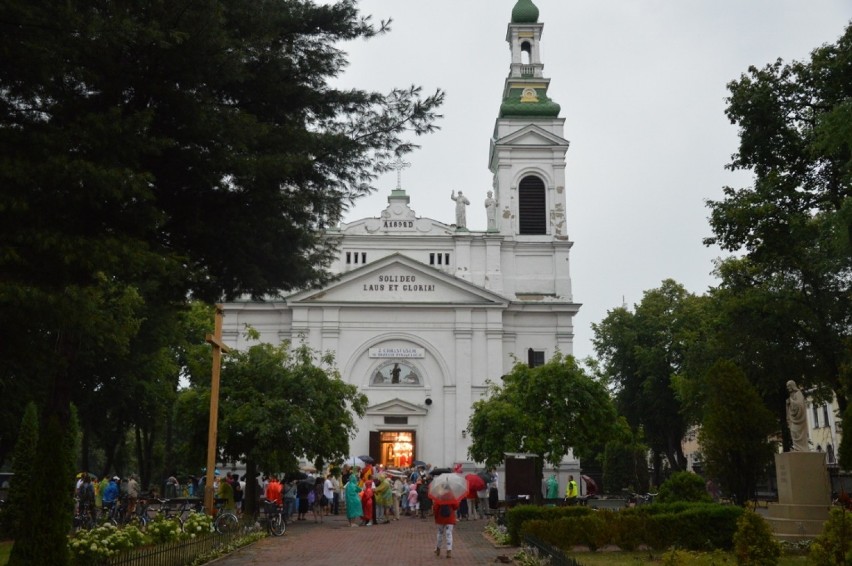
(407, 542)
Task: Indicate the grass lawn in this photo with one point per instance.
(692, 559)
(5, 549)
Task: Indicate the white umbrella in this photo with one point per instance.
(448, 488)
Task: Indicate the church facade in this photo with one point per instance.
(423, 312)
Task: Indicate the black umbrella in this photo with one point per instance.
(486, 477)
(296, 476)
(439, 471)
(367, 459)
(417, 463)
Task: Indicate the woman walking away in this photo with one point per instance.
(445, 518)
(353, 500)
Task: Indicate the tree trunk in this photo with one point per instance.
(85, 444)
(251, 495)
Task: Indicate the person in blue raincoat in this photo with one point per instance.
(353, 500)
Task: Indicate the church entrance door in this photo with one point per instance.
(393, 448)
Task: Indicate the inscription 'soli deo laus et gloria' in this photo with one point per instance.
(394, 283)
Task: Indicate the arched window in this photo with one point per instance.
(526, 53)
(532, 217)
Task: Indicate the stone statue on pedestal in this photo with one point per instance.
(797, 418)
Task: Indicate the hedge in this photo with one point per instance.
(699, 526)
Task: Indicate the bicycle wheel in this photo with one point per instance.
(277, 525)
(227, 523)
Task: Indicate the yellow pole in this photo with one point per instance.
(218, 347)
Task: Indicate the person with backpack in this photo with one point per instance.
(86, 497)
(445, 518)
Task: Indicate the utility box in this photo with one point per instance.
(523, 484)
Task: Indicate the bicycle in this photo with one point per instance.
(226, 521)
(84, 518)
(119, 514)
(276, 521)
(636, 499)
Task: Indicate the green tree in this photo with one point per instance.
(42, 533)
(736, 431)
(757, 316)
(793, 223)
(153, 151)
(22, 466)
(546, 410)
(641, 354)
(279, 404)
(625, 461)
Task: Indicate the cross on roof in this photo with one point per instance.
(399, 165)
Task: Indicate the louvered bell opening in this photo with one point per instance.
(531, 206)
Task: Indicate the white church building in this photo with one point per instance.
(422, 311)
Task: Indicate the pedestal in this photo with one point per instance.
(804, 495)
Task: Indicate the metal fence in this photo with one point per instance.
(178, 553)
(553, 555)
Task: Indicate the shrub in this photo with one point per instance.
(96, 545)
(754, 544)
(834, 545)
(695, 526)
(163, 530)
(628, 531)
(707, 526)
(678, 557)
(517, 516)
(683, 486)
(593, 529)
(197, 524)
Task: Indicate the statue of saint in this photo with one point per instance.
(797, 417)
(395, 373)
(461, 211)
(491, 211)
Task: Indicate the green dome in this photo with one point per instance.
(524, 12)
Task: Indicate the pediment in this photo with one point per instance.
(532, 135)
(398, 408)
(397, 279)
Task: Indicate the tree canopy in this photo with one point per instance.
(792, 226)
(546, 410)
(641, 352)
(155, 151)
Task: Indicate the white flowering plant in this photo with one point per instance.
(197, 524)
(96, 545)
(163, 530)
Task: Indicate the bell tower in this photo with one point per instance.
(527, 156)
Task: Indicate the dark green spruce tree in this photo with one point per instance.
(22, 466)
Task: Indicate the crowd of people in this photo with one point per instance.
(367, 495)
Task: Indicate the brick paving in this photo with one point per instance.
(407, 542)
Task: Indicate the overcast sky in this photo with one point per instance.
(642, 85)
